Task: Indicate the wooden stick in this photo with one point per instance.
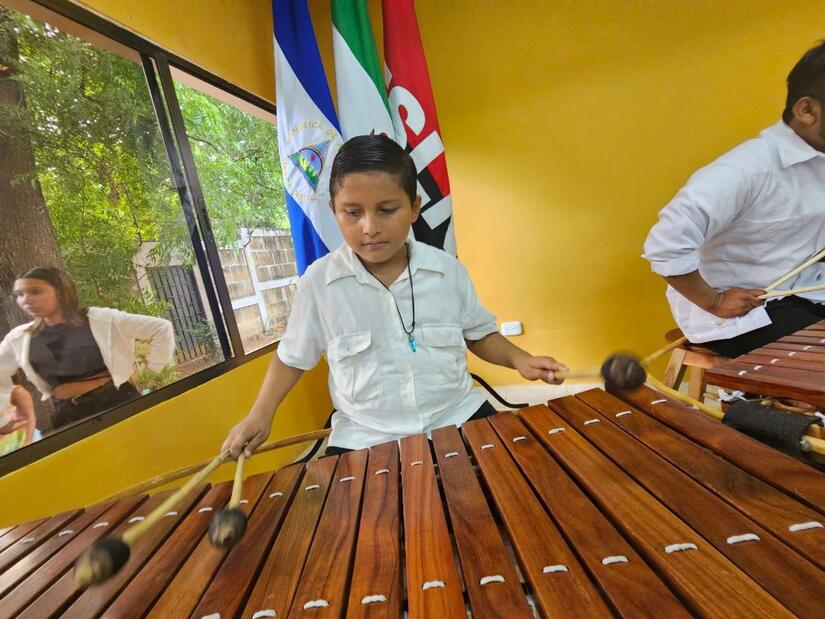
(817, 445)
(645, 362)
(237, 484)
(185, 471)
(677, 395)
(664, 350)
(802, 266)
(579, 374)
(135, 531)
(787, 293)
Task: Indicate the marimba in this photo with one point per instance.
(791, 367)
(589, 507)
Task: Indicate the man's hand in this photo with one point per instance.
(735, 302)
(247, 435)
(541, 368)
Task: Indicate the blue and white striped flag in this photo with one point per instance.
(308, 132)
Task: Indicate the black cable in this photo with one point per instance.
(478, 379)
(496, 395)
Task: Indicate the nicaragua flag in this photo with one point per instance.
(362, 96)
(308, 132)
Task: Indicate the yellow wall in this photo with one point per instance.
(567, 126)
(176, 433)
(230, 38)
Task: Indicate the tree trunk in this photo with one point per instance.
(27, 239)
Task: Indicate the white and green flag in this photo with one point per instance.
(362, 98)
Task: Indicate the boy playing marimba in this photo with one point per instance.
(393, 316)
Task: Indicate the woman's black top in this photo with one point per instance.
(65, 353)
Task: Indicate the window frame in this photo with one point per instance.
(157, 65)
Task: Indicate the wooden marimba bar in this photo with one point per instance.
(791, 367)
(588, 507)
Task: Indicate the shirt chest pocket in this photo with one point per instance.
(446, 351)
(353, 364)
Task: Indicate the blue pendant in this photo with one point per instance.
(412, 342)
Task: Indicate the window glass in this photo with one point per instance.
(235, 148)
(85, 188)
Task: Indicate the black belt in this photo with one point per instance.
(78, 399)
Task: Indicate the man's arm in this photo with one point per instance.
(730, 303)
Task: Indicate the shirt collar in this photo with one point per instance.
(343, 262)
(792, 148)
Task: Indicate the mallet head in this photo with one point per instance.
(227, 527)
(623, 371)
(101, 561)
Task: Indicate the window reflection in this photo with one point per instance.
(86, 196)
(235, 148)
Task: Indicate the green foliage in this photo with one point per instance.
(236, 157)
(204, 333)
(103, 168)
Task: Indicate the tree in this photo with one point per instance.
(28, 238)
(236, 157)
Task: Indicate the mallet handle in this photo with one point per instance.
(185, 471)
(801, 267)
(663, 350)
(787, 293)
(237, 484)
(156, 514)
(817, 444)
(578, 374)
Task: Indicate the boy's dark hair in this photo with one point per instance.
(373, 153)
(806, 79)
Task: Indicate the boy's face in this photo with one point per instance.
(375, 215)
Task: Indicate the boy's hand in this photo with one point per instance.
(247, 435)
(541, 368)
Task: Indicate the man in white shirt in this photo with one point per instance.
(394, 318)
(744, 221)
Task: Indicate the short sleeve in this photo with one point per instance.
(476, 320)
(705, 207)
(301, 345)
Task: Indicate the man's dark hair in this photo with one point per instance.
(373, 153)
(806, 79)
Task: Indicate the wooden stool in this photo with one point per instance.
(692, 356)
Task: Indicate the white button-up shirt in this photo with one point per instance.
(115, 333)
(380, 388)
(744, 221)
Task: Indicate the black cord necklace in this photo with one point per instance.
(410, 338)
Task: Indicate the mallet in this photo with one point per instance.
(229, 524)
(787, 293)
(625, 370)
(798, 269)
(809, 442)
(620, 370)
(105, 557)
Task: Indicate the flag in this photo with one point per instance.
(362, 97)
(412, 109)
(308, 132)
